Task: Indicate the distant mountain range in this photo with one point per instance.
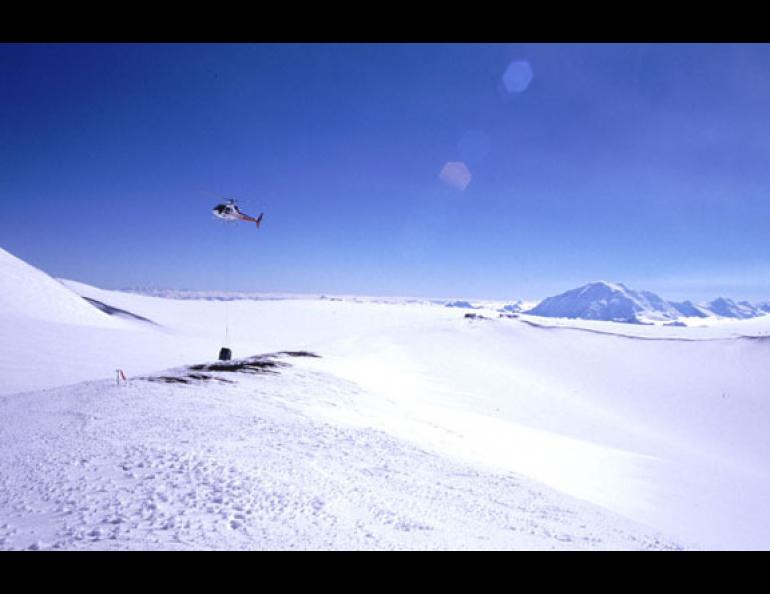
(461, 304)
(616, 302)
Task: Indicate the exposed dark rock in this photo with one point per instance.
(473, 316)
(114, 311)
(251, 365)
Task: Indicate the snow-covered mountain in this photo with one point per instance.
(515, 307)
(722, 308)
(727, 308)
(615, 302)
(607, 301)
(461, 304)
(689, 310)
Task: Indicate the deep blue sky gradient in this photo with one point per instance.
(645, 164)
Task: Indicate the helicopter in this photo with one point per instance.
(230, 212)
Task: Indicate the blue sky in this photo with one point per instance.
(645, 164)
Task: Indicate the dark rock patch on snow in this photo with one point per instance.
(115, 311)
(474, 316)
(251, 365)
(186, 379)
(258, 364)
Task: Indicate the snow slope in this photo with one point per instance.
(665, 427)
(244, 466)
(27, 292)
(668, 432)
(728, 308)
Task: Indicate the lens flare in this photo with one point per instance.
(517, 76)
(456, 175)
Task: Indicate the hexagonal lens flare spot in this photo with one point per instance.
(517, 76)
(456, 175)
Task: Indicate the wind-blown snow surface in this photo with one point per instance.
(416, 428)
(255, 465)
